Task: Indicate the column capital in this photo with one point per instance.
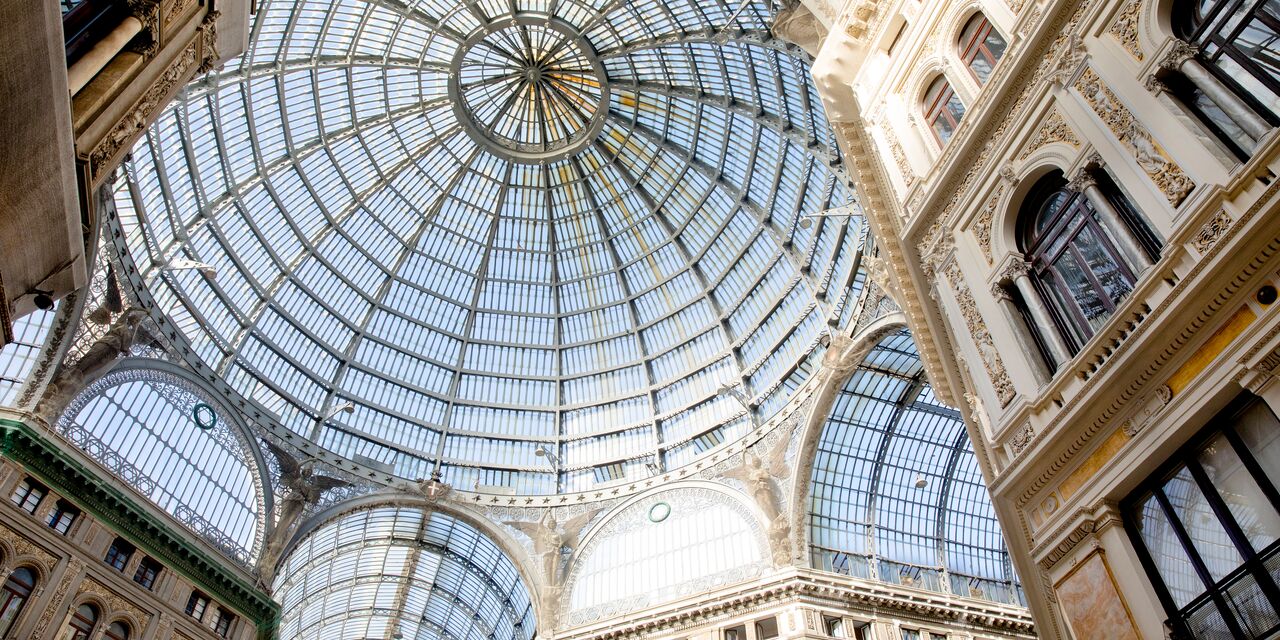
(1083, 179)
(1014, 266)
(1177, 55)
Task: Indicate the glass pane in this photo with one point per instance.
(1202, 525)
(955, 107)
(1083, 294)
(1260, 430)
(1206, 623)
(1259, 40)
(1248, 505)
(1167, 553)
(1115, 282)
(1251, 608)
(943, 128)
(981, 67)
(995, 44)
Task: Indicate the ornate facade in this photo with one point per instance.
(1085, 256)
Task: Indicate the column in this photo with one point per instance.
(1018, 270)
(1012, 317)
(92, 62)
(1183, 59)
(1085, 183)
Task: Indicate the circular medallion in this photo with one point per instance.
(659, 512)
(204, 416)
(529, 88)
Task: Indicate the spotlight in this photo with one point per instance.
(920, 481)
(42, 300)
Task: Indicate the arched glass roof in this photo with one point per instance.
(502, 227)
(161, 434)
(896, 492)
(380, 572)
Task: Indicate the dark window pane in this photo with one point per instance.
(1167, 553)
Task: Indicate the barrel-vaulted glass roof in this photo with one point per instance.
(896, 492)
(503, 229)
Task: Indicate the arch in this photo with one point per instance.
(15, 595)
(506, 544)
(894, 491)
(124, 420)
(380, 570)
(119, 629)
(942, 108)
(979, 45)
(707, 535)
(82, 619)
(1004, 222)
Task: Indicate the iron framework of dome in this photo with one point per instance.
(502, 230)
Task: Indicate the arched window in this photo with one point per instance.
(981, 47)
(1239, 39)
(118, 631)
(943, 109)
(80, 627)
(1077, 264)
(17, 589)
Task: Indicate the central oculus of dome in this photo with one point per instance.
(529, 88)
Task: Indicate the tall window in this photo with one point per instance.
(1076, 265)
(222, 623)
(28, 495)
(15, 593)
(80, 626)
(146, 574)
(117, 631)
(1239, 40)
(196, 605)
(981, 47)
(119, 553)
(64, 514)
(1207, 527)
(943, 109)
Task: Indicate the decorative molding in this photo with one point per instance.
(982, 339)
(1125, 28)
(208, 35)
(114, 603)
(1147, 413)
(25, 548)
(862, 19)
(1054, 129)
(70, 573)
(1149, 154)
(900, 157)
(1020, 439)
(131, 125)
(1211, 231)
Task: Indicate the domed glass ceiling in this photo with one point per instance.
(530, 239)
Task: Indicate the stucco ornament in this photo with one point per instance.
(302, 488)
(552, 542)
(760, 478)
(1150, 156)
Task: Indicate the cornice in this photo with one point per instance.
(799, 585)
(50, 464)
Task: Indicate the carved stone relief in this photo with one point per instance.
(23, 547)
(72, 572)
(982, 339)
(1053, 129)
(114, 603)
(1149, 154)
(1212, 231)
(1020, 439)
(1149, 407)
(1125, 28)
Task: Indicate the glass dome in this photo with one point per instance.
(549, 244)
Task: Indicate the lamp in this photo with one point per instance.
(345, 407)
(186, 265)
(543, 452)
(806, 220)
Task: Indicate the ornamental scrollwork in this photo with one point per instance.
(1212, 231)
(1149, 154)
(1054, 129)
(982, 339)
(1125, 29)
